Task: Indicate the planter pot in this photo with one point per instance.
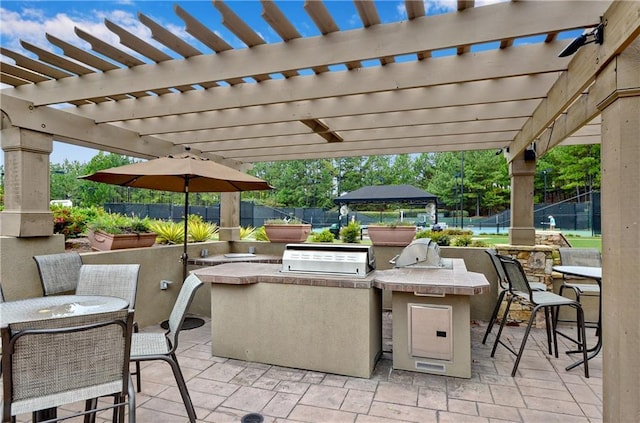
(104, 241)
(288, 233)
(398, 236)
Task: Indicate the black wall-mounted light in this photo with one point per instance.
(596, 35)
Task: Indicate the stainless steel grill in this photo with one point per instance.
(423, 253)
(345, 260)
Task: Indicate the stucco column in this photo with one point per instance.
(522, 173)
(26, 182)
(229, 216)
(620, 160)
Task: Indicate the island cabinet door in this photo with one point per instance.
(431, 331)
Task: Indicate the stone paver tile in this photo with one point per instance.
(399, 394)
(557, 406)
(266, 383)
(362, 418)
(576, 376)
(583, 394)
(292, 387)
(199, 399)
(209, 386)
(506, 395)
(249, 398)
(431, 381)
(357, 401)
(497, 379)
(536, 374)
(281, 404)
(556, 385)
(403, 412)
(463, 407)
(157, 416)
(536, 416)
(223, 415)
(168, 406)
(324, 396)
(222, 372)
(334, 380)
(361, 384)
(469, 391)
(402, 377)
(248, 376)
(534, 391)
(592, 411)
(284, 373)
(160, 372)
(435, 399)
(313, 377)
(447, 417)
(499, 412)
(307, 413)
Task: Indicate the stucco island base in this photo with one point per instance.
(313, 322)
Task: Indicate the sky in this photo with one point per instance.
(30, 20)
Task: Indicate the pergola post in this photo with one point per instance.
(522, 173)
(229, 216)
(26, 182)
(620, 160)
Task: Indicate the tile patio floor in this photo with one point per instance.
(224, 390)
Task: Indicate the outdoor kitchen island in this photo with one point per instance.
(295, 315)
(318, 322)
(431, 316)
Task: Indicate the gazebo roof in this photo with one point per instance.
(472, 79)
(386, 194)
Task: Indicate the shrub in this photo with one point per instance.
(116, 223)
(462, 241)
(248, 232)
(480, 243)
(351, 233)
(260, 234)
(69, 221)
(168, 232)
(324, 236)
(200, 231)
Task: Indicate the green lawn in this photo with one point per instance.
(577, 242)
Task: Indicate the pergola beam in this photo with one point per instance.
(582, 71)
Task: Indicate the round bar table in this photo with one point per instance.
(594, 273)
(57, 306)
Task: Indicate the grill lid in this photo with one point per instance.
(422, 252)
(349, 260)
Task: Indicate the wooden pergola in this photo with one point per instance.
(380, 89)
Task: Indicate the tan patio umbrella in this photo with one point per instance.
(183, 173)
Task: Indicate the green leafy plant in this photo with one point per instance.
(351, 233)
(200, 231)
(69, 221)
(260, 234)
(168, 232)
(323, 236)
(247, 233)
(395, 223)
(462, 241)
(115, 223)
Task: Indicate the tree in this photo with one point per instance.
(94, 193)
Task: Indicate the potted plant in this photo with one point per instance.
(290, 230)
(396, 234)
(114, 231)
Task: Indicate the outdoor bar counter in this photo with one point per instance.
(334, 323)
(317, 322)
(431, 316)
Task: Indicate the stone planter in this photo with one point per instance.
(290, 232)
(395, 236)
(104, 241)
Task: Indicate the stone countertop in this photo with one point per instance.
(433, 281)
(250, 273)
(456, 280)
(234, 258)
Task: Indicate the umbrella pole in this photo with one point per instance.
(185, 256)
